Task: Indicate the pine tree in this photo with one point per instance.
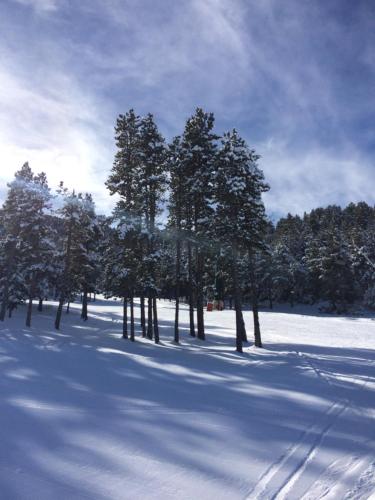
(151, 183)
(87, 260)
(240, 217)
(124, 181)
(120, 267)
(76, 234)
(37, 244)
(199, 157)
(25, 243)
(176, 221)
(336, 275)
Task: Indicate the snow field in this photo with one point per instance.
(85, 414)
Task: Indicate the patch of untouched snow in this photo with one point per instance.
(86, 414)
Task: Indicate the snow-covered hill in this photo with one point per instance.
(85, 414)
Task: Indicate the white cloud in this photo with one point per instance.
(59, 124)
(40, 6)
(252, 63)
(58, 129)
(303, 180)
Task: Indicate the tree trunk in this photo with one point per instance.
(254, 298)
(132, 317)
(143, 316)
(200, 304)
(40, 305)
(190, 291)
(29, 311)
(270, 300)
(58, 313)
(156, 326)
(10, 310)
(125, 319)
(237, 304)
(3, 309)
(176, 320)
(200, 315)
(84, 306)
(68, 308)
(177, 291)
(243, 328)
(65, 278)
(149, 316)
(5, 291)
(152, 318)
(4, 302)
(257, 336)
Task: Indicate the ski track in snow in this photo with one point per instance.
(133, 420)
(278, 478)
(346, 470)
(277, 483)
(365, 486)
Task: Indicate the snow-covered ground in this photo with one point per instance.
(85, 414)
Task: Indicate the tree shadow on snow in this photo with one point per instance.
(75, 405)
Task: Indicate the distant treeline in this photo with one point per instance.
(326, 255)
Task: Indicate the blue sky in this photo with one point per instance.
(295, 77)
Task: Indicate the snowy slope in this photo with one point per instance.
(85, 414)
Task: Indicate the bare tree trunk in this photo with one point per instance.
(68, 308)
(200, 305)
(29, 311)
(237, 304)
(254, 293)
(156, 326)
(149, 315)
(190, 291)
(58, 313)
(143, 316)
(4, 302)
(257, 336)
(125, 319)
(177, 291)
(40, 305)
(176, 320)
(5, 291)
(243, 328)
(84, 315)
(132, 317)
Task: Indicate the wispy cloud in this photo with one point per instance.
(58, 129)
(305, 180)
(40, 5)
(295, 78)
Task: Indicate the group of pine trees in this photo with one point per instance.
(48, 245)
(189, 225)
(209, 191)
